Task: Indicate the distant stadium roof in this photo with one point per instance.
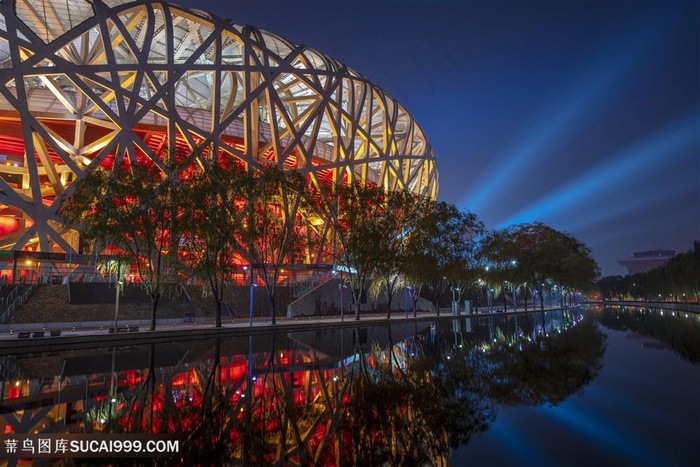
(644, 261)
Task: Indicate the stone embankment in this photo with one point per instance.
(50, 305)
(695, 307)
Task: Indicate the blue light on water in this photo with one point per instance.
(602, 433)
(622, 402)
(516, 443)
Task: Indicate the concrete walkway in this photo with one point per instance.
(90, 334)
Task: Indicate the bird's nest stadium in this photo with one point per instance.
(92, 82)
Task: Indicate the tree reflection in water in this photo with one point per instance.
(679, 330)
(547, 370)
(403, 403)
(339, 397)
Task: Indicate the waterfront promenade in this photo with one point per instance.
(97, 333)
(87, 334)
(685, 306)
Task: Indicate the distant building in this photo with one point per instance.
(643, 261)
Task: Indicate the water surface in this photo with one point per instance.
(573, 387)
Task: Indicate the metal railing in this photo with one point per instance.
(14, 300)
(10, 369)
(317, 279)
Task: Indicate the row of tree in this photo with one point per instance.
(531, 259)
(189, 217)
(677, 280)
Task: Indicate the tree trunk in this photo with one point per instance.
(503, 294)
(527, 292)
(155, 297)
(390, 296)
(217, 293)
(151, 371)
(271, 295)
(357, 297)
(437, 301)
(218, 312)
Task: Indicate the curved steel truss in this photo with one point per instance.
(96, 82)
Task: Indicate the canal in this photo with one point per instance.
(580, 386)
(642, 408)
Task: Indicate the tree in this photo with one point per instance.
(134, 208)
(579, 270)
(535, 254)
(498, 253)
(420, 270)
(401, 219)
(273, 232)
(215, 212)
(445, 247)
(353, 211)
(678, 279)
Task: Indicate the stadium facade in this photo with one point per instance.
(97, 82)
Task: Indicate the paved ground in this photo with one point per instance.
(166, 325)
(90, 333)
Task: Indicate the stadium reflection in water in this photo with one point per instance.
(405, 394)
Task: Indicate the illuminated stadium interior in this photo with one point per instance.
(88, 83)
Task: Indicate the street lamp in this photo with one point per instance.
(112, 385)
(120, 285)
(514, 264)
(405, 300)
(250, 311)
(489, 290)
(455, 300)
(342, 286)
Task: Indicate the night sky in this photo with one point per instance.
(581, 114)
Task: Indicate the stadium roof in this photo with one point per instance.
(101, 81)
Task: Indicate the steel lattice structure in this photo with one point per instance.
(88, 82)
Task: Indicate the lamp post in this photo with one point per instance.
(455, 300)
(514, 264)
(489, 291)
(250, 311)
(441, 286)
(113, 377)
(120, 284)
(341, 286)
(112, 384)
(405, 299)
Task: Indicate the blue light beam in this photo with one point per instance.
(628, 204)
(680, 135)
(565, 114)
